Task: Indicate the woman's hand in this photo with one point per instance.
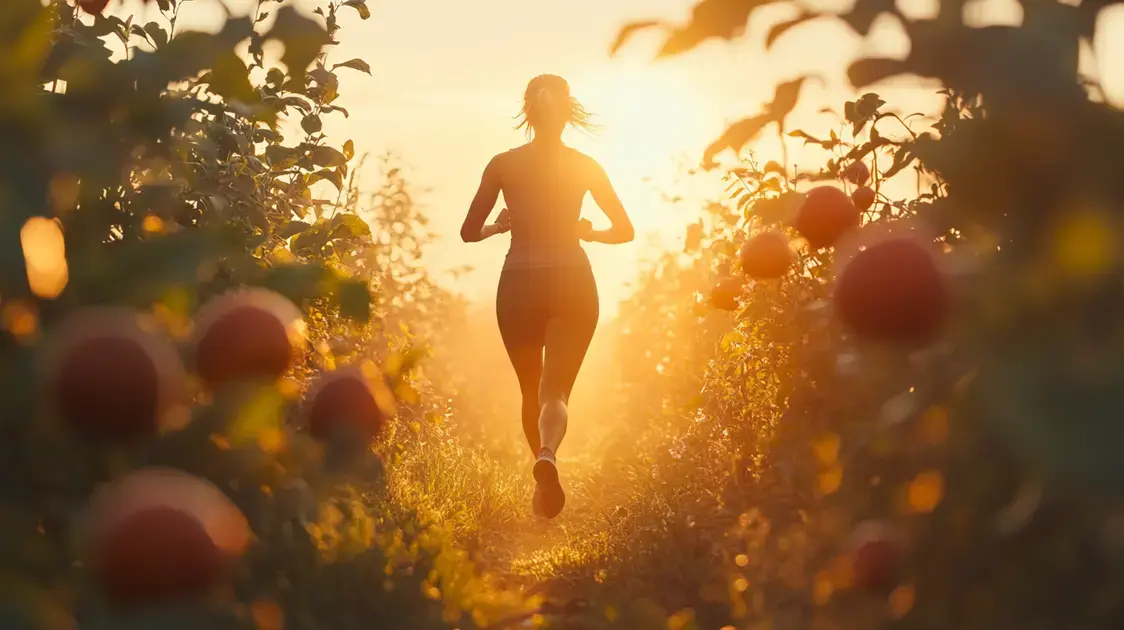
(503, 221)
(502, 224)
(585, 230)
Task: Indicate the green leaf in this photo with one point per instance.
(773, 210)
(303, 38)
(292, 228)
(628, 31)
(361, 7)
(902, 157)
(730, 338)
(331, 175)
(780, 28)
(311, 240)
(785, 98)
(860, 111)
(873, 69)
(354, 64)
(711, 18)
(335, 108)
(349, 149)
(189, 53)
(230, 79)
(275, 77)
(151, 265)
(327, 157)
(280, 156)
(299, 281)
(26, 38)
(354, 298)
(298, 102)
(864, 12)
(808, 138)
(104, 25)
(262, 412)
(736, 136)
(311, 124)
(348, 224)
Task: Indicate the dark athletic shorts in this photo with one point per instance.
(552, 309)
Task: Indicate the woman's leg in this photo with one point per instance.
(523, 337)
(527, 361)
(567, 338)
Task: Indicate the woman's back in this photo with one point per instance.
(544, 187)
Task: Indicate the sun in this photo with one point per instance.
(648, 115)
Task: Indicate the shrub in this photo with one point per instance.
(151, 182)
(990, 449)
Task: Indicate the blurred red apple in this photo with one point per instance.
(766, 255)
(857, 173)
(725, 294)
(93, 7)
(893, 291)
(105, 376)
(248, 333)
(877, 553)
(349, 400)
(863, 198)
(160, 535)
(825, 215)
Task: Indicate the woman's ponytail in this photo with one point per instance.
(547, 101)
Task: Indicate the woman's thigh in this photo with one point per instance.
(522, 322)
(569, 331)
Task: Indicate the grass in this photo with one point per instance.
(650, 528)
(638, 527)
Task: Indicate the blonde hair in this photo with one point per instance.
(547, 101)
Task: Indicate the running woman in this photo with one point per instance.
(546, 303)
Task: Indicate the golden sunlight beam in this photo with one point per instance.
(648, 116)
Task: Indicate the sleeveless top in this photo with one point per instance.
(537, 243)
(545, 201)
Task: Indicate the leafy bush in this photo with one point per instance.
(869, 478)
(153, 181)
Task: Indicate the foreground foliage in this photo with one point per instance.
(913, 426)
(157, 172)
(907, 424)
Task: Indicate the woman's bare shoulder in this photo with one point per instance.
(584, 159)
(509, 155)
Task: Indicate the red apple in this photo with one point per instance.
(857, 173)
(248, 333)
(863, 198)
(160, 535)
(725, 294)
(825, 215)
(107, 377)
(766, 255)
(877, 553)
(893, 291)
(93, 7)
(348, 399)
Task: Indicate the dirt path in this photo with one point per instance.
(556, 560)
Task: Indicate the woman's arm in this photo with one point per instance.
(620, 227)
(473, 228)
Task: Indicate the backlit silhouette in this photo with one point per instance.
(547, 304)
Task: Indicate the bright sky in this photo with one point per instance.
(448, 77)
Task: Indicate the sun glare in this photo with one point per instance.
(647, 117)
